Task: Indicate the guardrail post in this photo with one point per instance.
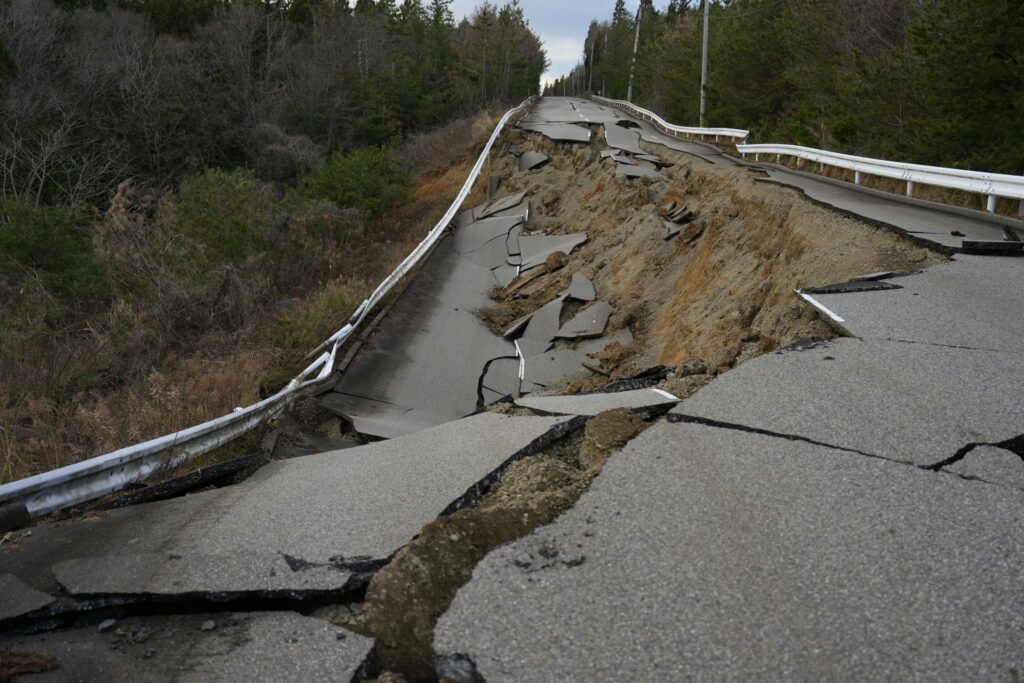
(856, 177)
(991, 205)
(910, 188)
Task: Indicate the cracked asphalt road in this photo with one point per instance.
(850, 510)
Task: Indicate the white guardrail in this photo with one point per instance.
(990, 184)
(672, 129)
(104, 474)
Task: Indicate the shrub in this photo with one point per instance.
(53, 246)
(229, 212)
(368, 179)
(303, 329)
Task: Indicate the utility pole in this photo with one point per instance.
(636, 46)
(704, 65)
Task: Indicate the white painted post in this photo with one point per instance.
(757, 157)
(991, 206)
(910, 188)
(856, 177)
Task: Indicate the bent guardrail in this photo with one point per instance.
(670, 128)
(105, 474)
(990, 184)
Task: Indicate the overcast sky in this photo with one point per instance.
(561, 24)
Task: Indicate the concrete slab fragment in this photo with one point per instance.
(589, 322)
(581, 288)
(637, 172)
(544, 323)
(713, 554)
(255, 646)
(527, 348)
(532, 160)
(592, 404)
(536, 248)
(623, 139)
(913, 402)
(559, 132)
(295, 525)
(552, 367)
(17, 598)
(502, 378)
(991, 464)
(503, 204)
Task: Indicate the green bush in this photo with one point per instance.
(52, 245)
(368, 179)
(318, 318)
(229, 212)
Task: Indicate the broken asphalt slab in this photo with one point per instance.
(589, 322)
(535, 249)
(532, 160)
(972, 301)
(255, 646)
(16, 598)
(593, 404)
(916, 403)
(303, 524)
(623, 139)
(714, 554)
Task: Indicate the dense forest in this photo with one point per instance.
(182, 179)
(931, 81)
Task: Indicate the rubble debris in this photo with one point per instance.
(638, 172)
(496, 206)
(581, 288)
(536, 248)
(623, 139)
(14, 664)
(589, 322)
(532, 160)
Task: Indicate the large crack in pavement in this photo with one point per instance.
(405, 599)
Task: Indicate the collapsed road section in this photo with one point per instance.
(722, 429)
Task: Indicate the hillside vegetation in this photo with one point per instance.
(195, 194)
(930, 81)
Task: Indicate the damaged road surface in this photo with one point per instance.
(720, 430)
(703, 553)
(299, 532)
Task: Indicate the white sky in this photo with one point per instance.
(561, 24)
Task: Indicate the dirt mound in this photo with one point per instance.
(721, 290)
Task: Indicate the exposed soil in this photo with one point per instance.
(407, 597)
(724, 296)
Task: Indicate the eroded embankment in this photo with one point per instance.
(716, 294)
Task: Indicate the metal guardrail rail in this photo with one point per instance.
(105, 474)
(672, 129)
(992, 185)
